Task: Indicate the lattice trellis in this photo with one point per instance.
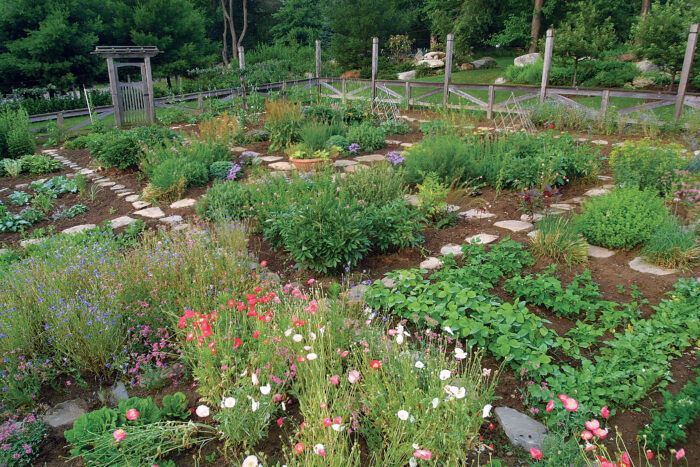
(513, 117)
(384, 105)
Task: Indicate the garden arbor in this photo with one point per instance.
(133, 101)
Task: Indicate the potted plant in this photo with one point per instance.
(306, 160)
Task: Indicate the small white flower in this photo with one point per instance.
(265, 389)
(448, 330)
(420, 365)
(202, 411)
(254, 378)
(436, 401)
(297, 337)
(255, 405)
(311, 356)
(284, 406)
(486, 411)
(229, 402)
(459, 393)
(460, 354)
(319, 448)
(313, 336)
(337, 427)
(412, 462)
(402, 414)
(307, 348)
(288, 332)
(416, 446)
(399, 338)
(445, 375)
(250, 461)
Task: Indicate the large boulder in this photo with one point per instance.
(484, 63)
(646, 66)
(432, 63)
(526, 59)
(466, 66)
(628, 57)
(435, 56)
(406, 75)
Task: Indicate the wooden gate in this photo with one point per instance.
(133, 102)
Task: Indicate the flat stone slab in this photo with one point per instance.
(388, 283)
(431, 263)
(600, 142)
(117, 187)
(597, 192)
(153, 213)
(520, 429)
(476, 214)
(22, 186)
(355, 168)
(575, 200)
(131, 198)
(605, 178)
(31, 241)
(183, 203)
(175, 219)
(281, 166)
(639, 264)
(451, 249)
(238, 149)
(183, 226)
(65, 413)
(608, 187)
(121, 221)
(344, 163)
(514, 226)
(125, 193)
(392, 141)
(531, 217)
(532, 234)
(271, 158)
(411, 199)
(482, 238)
(4, 251)
(140, 204)
(562, 206)
(78, 228)
(106, 184)
(86, 171)
(370, 158)
(599, 252)
(407, 145)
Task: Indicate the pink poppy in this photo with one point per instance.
(605, 412)
(353, 376)
(132, 414)
(119, 435)
(338, 420)
(375, 364)
(335, 379)
(650, 455)
(263, 263)
(586, 435)
(625, 460)
(535, 453)
(592, 424)
(550, 406)
(299, 448)
(600, 433)
(422, 454)
(327, 422)
(571, 404)
(680, 454)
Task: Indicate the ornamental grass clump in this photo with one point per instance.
(673, 246)
(558, 239)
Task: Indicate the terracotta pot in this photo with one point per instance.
(306, 165)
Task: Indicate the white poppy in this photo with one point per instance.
(416, 446)
(311, 356)
(250, 461)
(288, 332)
(202, 411)
(297, 337)
(436, 401)
(412, 462)
(229, 402)
(445, 375)
(265, 389)
(399, 338)
(254, 379)
(460, 354)
(486, 411)
(313, 336)
(402, 414)
(320, 449)
(420, 365)
(337, 427)
(459, 393)
(448, 330)
(255, 405)
(307, 347)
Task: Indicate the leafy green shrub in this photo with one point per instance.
(432, 202)
(648, 164)
(394, 127)
(80, 142)
(368, 136)
(31, 215)
(15, 138)
(441, 155)
(621, 219)
(612, 74)
(120, 150)
(338, 141)
(323, 113)
(40, 164)
(219, 169)
(19, 198)
(394, 226)
(591, 73)
(225, 200)
(314, 136)
(672, 246)
(381, 185)
(558, 239)
(170, 171)
(13, 167)
(175, 407)
(71, 212)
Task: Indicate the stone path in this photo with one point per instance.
(513, 225)
(640, 264)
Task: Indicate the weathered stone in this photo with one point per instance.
(121, 221)
(344, 163)
(575, 200)
(526, 59)
(500, 80)
(639, 264)
(646, 66)
(407, 145)
(452, 208)
(435, 55)
(271, 158)
(153, 213)
(562, 206)
(86, 171)
(411, 199)
(125, 193)
(392, 141)
(520, 429)
(22, 186)
(354, 295)
(78, 228)
(117, 187)
(483, 63)
(238, 149)
(281, 166)
(596, 192)
(432, 63)
(531, 217)
(183, 203)
(406, 75)
(106, 184)
(451, 249)
(370, 158)
(174, 219)
(532, 234)
(4, 251)
(600, 142)
(514, 226)
(114, 394)
(599, 252)
(65, 413)
(131, 198)
(608, 186)
(482, 238)
(476, 214)
(390, 283)
(140, 204)
(431, 263)
(355, 168)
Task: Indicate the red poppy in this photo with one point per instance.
(375, 364)
(237, 342)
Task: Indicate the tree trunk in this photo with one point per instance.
(224, 50)
(227, 10)
(245, 23)
(646, 7)
(536, 24)
(170, 83)
(575, 70)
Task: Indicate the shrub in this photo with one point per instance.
(648, 164)
(323, 113)
(621, 219)
(80, 142)
(368, 136)
(394, 226)
(224, 129)
(314, 136)
(394, 127)
(381, 185)
(672, 246)
(441, 155)
(338, 141)
(21, 440)
(120, 150)
(13, 167)
(220, 169)
(283, 121)
(432, 202)
(15, 138)
(558, 239)
(167, 174)
(225, 200)
(40, 164)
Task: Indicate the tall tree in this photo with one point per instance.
(298, 21)
(536, 24)
(646, 7)
(229, 14)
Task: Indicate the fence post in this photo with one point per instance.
(59, 120)
(549, 45)
(241, 66)
(375, 65)
(318, 69)
(687, 65)
(448, 69)
(489, 108)
(200, 102)
(114, 90)
(408, 94)
(345, 90)
(604, 105)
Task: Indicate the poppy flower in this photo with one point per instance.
(680, 454)
(119, 435)
(550, 406)
(571, 404)
(335, 379)
(132, 414)
(256, 334)
(592, 424)
(535, 453)
(237, 342)
(403, 415)
(299, 322)
(375, 364)
(327, 422)
(600, 433)
(650, 455)
(320, 449)
(586, 435)
(353, 376)
(299, 448)
(250, 461)
(202, 411)
(605, 412)
(263, 263)
(422, 454)
(182, 323)
(625, 460)
(205, 327)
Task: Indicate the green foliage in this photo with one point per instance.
(394, 226)
(381, 185)
(148, 411)
(672, 245)
(17, 436)
(225, 200)
(670, 423)
(369, 137)
(13, 167)
(15, 138)
(120, 150)
(297, 21)
(85, 426)
(394, 127)
(283, 121)
(314, 136)
(172, 170)
(40, 164)
(71, 212)
(621, 219)
(219, 169)
(432, 201)
(19, 198)
(339, 141)
(648, 164)
(81, 142)
(558, 240)
(591, 73)
(175, 407)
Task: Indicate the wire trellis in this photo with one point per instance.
(513, 117)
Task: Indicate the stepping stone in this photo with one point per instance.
(87, 171)
(114, 394)
(65, 413)
(411, 199)
(596, 192)
(180, 227)
(618, 144)
(514, 226)
(252, 154)
(31, 241)
(407, 145)
(452, 208)
(281, 166)
(609, 187)
(355, 168)
(476, 214)
(451, 249)
(344, 163)
(600, 142)
(484, 128)
(271, 158)
(105, 184)
(22, 186)
(370, 158)
(392, 141)
(78, 228)
(532, 234)
(639, 264)
(575, 200)
(183, 203)
(605, 178)
(582, 140)
(531, 217)
(131, 198)
(117, 187)
(389, 283)
(122, 221)
(520, 429)
(4, 251)
(554, 212)
(430, 264)
(140, 204)
(3, 189)
(562, 206)
(599, 252)
(174, 219)
(123, 192)
(153, 213)
(482, 238)
(238, 149)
